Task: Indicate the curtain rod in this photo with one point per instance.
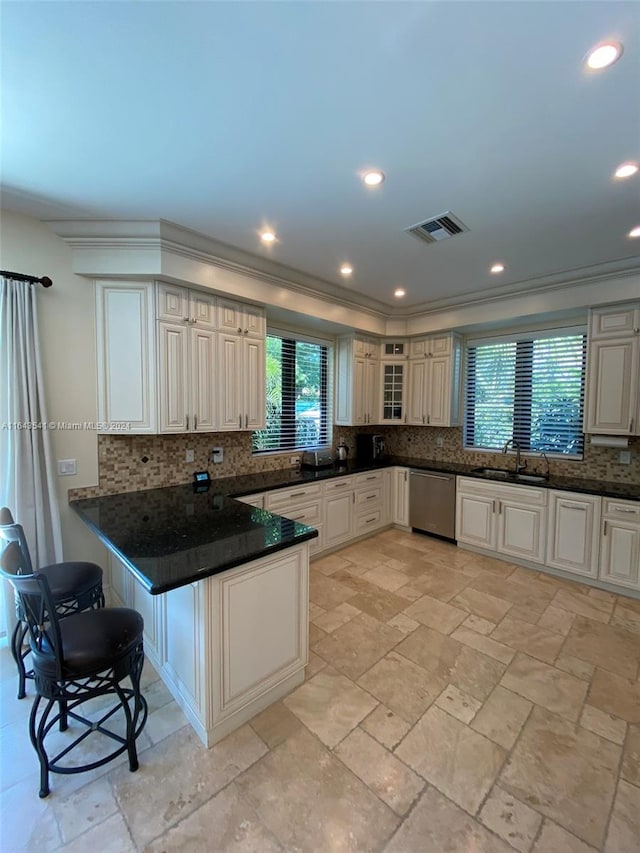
(45, 281)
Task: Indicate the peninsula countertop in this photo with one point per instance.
(173, 536)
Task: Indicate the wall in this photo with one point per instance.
(67, 335)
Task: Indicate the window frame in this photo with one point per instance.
(521, 431)
(293, 336)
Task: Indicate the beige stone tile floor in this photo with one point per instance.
(452, 703)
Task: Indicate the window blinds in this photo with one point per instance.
(297, 393)
(530, 389)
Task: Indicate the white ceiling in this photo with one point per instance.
(223, 117)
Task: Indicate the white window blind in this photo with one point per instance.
(298, 394)
(528, 388)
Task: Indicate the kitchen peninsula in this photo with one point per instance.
(223, 590)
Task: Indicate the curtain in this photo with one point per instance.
(27, 482)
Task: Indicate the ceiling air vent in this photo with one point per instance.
(438, 228)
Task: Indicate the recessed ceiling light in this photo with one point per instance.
(603, 55)
(346, 270)
(497, 268)
(373, 178)
(625, 170)
(399, 292)
(635, 232)
(267, 236)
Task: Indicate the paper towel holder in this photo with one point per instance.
(620, 442)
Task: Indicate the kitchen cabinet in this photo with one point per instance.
(620, 543)
(126, 357)
(434, 381)
(241, 382)
(393, 403)
(301, 503)
(573, 538)
(510, 520)
(339, 503)
(612, 405)
(182, 305)
(401, 497)
(187, 378)
(356, 381)
(253, 500)
(241, 319)
(369, 502)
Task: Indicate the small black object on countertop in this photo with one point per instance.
(173, 536)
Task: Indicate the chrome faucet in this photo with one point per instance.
(544, 456)
(520, 466)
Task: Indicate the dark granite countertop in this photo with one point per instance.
(173, 536)
(249, 483)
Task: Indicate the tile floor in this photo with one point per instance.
(452, 703)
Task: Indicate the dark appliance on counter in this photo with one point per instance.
(432, 503)
(369, 448)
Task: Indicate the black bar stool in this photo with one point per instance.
(75, 586)
(76, 659)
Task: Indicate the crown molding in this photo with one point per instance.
(86, 236)
(147, 247)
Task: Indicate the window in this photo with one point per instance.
(529, 388)
(298, 394)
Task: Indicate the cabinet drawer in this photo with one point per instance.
(368, 520)
(340, 485)
(623, 510)
(309, 514)
(252, 500)
(369, 479)
(368, 497)
(294, 495)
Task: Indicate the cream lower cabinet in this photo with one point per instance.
(303, 504)
(401, 496)
(230, 645)
(510, 520)
(573, 533)
(339, 505)
(620, 543)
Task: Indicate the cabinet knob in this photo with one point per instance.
(239, 330)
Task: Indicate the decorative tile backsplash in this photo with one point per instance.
(132, 463)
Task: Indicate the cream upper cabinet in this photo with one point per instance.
(434, 381)
(613, 371)
(187, 378)
(241, 382)
(356, 381)
(573, 537)
(241, 319)
(126, 357)
(183, 305)
(393, 397)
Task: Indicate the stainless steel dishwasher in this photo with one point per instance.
(432, 503)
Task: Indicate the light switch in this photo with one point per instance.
(625, 457)
(66, 467)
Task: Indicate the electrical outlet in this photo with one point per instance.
(439, 441)
(625, 457)
(294, 460)
(189, 456)
(66, 467)
(217, 455)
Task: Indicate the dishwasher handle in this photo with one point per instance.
(447, 477)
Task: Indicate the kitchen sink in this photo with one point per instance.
(530, 478)
(505, 474)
